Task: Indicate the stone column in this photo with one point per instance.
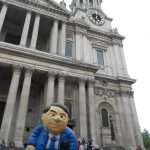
(137, 131)
(54, 37)
(10, 103)
(128, 125)
(61, 88)
(119, 131)
(92, 109)
(35, 31)
(82, 109)
(20, 123)
(25, 29)
(63, 39)
(50, 88)
(3, 15)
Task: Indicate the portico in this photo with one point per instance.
(25, 81)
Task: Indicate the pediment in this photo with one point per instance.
(56, 6)
(99, 45)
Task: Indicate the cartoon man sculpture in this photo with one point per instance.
(53, 133)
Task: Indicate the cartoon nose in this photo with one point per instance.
(57, 118)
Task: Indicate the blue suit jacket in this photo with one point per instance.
(39, 138)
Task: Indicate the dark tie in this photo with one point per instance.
(52, 144)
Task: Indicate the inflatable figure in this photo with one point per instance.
(53, 133)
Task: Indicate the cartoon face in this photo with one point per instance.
(55, 120)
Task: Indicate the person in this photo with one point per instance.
(12, 145)
(139, 148)
(89, 144)
(52, 133)
(78, 143)
(83, 141)
(81, 147)
(2, 144)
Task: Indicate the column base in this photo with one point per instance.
(19, 144)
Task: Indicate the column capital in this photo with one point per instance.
(29, 10)
(62, 76)
(51, 74)
(64, 21)
(28, 71)
(56, 19)
(5, 3)
(17, 68)
(37, 13)
(91, 82)
(82, 80)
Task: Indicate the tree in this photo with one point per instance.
(146, 139)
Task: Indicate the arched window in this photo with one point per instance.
(105, 118)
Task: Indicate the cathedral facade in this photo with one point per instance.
(50, 54)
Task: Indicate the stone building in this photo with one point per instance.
(50, 54)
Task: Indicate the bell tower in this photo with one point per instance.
(85, 4)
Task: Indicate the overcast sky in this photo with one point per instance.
(132, 19)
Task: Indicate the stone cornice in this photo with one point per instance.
(46, 57)
(119, 79)
(78, 23)
(125, 79)
(111, 93)
(47, 10)
(107, 35)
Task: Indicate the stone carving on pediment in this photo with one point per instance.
(111, 93)
(104, 83)
(69, 35)
(104, 92)
(124, 93)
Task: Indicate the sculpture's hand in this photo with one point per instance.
(30, 147)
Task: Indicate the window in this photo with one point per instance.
(91, 2)
(68, 49)
(81, 1)
(105, 118)
(100, 59)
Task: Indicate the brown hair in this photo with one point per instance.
(62, 106)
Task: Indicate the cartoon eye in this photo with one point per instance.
(61, 116)
(52, 115)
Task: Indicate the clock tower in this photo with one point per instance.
(90, 12)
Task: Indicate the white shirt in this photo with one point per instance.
(49, 140)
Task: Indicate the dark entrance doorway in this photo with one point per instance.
(2, 108)
(71, 123)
